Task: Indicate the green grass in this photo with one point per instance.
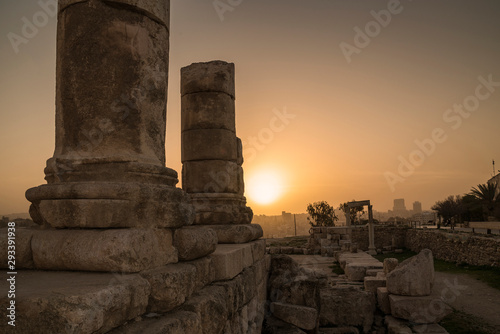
(401, 256)
(298, 241)
(485, 274)
(462, 323)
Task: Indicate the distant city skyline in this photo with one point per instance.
(338, 100)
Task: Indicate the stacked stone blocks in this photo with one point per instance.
(111, 210)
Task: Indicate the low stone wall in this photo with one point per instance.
(459, 248)
(385, 236)
(452, 247)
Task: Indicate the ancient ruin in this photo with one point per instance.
(212, 155)
(121, 249)
(111, 206)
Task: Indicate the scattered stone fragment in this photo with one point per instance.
(413, 277)
(300, 316)
(420, 310)
(390, 264)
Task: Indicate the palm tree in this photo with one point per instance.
(450, 210)
(486, 195)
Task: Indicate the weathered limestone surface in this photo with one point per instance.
(429, 329)
(230, 306)
(290, 284)
(390, 264)
(75, 302)
(230, 260)
(216, 76)
(157, 10)
(420, 310)
(208, 110)
(339, 330)
(194, 242)
(458, 248)
(237, 234)
(209, 144)
(221, 209)
(24, 255)
(224, 177)
(372, 283)
(108, 168)
(173, 284)
(111, 205)
(413, 277)
(347, 306)
(383, 300)
(178, 322)
(120, 250)
(210, 305)
(397, 326)
(211, 153)
(277, 326)
(355, 265)
(300, 316)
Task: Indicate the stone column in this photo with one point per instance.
(212, 155)
(108, 168)
(371, 233)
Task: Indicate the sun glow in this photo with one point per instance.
(265, 187)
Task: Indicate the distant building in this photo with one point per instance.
(284, 225)
(417, 207)
(399, 204)
(399, 209)
(424, 217)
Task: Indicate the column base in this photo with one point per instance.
(220, 209)
(109, 205)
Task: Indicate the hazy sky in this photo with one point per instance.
(357, 104)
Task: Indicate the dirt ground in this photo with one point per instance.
(470, 296)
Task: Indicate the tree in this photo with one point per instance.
(486, 195)
(321, 214)
(450, 209)
(353, 212)
(473, 211)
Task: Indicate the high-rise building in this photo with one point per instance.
(399, 208)
(399, 204)
(417, 207)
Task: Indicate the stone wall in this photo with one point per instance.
(385, 236)
(452, 247)
(459, 248)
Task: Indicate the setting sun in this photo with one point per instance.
(265, 186)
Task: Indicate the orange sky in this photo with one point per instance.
(352, 122)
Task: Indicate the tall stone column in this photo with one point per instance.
(212, 155)
(108, 169)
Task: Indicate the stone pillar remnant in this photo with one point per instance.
(211, 153)
(108, 168)
(371, 232)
